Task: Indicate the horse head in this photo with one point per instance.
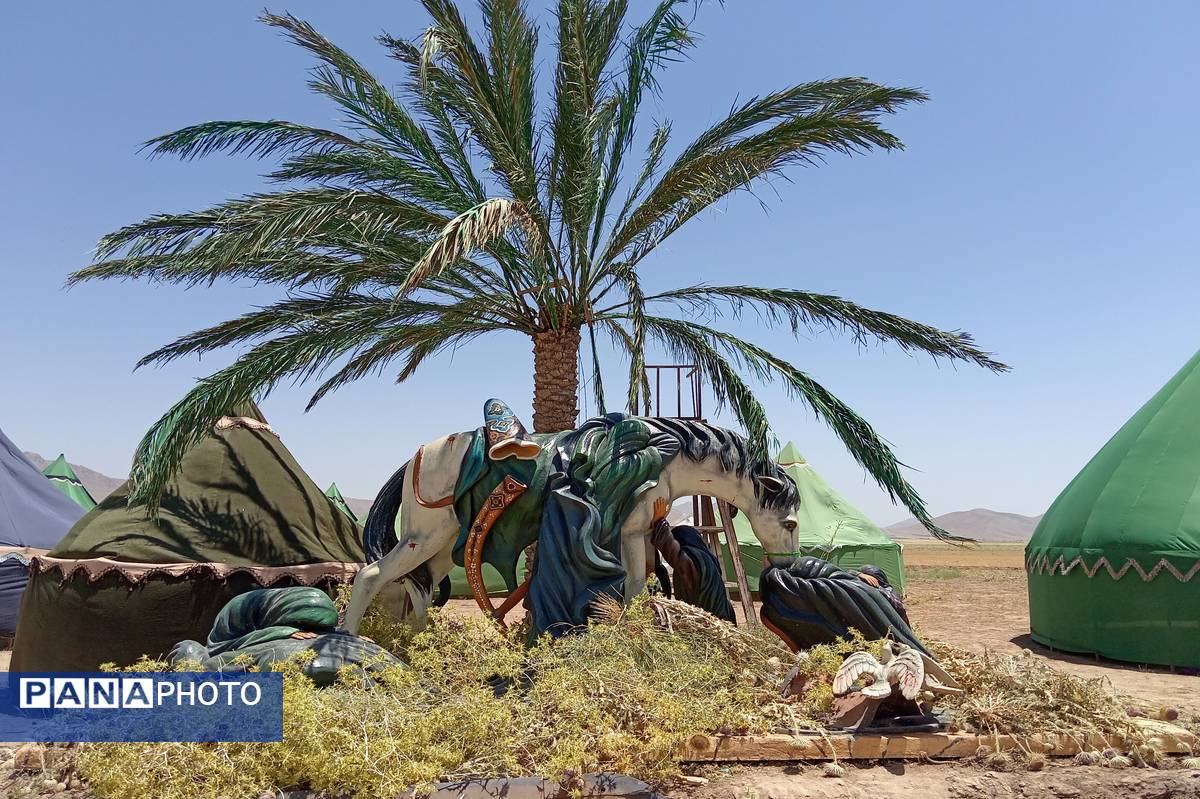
(772, 513)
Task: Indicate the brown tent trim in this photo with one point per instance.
(135, 573)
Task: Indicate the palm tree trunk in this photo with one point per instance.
(555, 380)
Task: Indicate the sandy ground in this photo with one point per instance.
(974, 598)
(977, 599)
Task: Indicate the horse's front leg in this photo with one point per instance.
(407, 555)
(636, 551)
(633, 559)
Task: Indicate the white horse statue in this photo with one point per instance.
(696, 459)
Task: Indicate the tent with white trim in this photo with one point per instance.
(1113, 565)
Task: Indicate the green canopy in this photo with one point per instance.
(335, 496)
(241, 514)
(829, 528)
(1112, 563)
(65, 480)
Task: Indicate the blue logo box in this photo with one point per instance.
(198, 707)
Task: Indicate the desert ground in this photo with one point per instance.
(974, 598)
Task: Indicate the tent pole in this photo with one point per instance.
(739, 568)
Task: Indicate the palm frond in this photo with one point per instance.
(496, 99)
(808, 309)
(255, 139)
(722, 160)
(259, 235)
(346, 310)
(248, 379)
(860, 439)
(635, 313)
(582, 115)
(650, 166)
(476, 228)
(663, 38)
(639, 390)
(416, 341)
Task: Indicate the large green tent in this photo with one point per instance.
(241, 514)
(335, 496)
(1112, 566)
(829, 528)
(65, 480)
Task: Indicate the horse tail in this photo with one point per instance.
(379, 532)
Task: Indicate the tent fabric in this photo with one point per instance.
(335, 496)
(1113, 564)
(241, 514)
(33, 517)
(829, 528)
(63, 477)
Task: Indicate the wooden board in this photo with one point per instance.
(811, 746)
(739, 568)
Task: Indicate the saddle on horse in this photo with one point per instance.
(506, 436)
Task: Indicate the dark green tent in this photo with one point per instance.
(1113, 564)
(241, 514)
(65, 480)
(335, 496)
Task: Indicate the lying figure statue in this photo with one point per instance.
(812, 602)
(270, 625)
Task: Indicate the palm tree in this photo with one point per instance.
(458, 207)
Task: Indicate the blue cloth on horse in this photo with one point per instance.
(577, 560)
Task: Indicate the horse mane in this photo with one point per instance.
(697, 441)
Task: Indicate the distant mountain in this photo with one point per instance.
(361, 507)
(98, 485)
(981, 524)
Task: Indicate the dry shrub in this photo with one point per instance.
(1023, 695)
(474, 701)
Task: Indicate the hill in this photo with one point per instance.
(981, 524)
(361, 507)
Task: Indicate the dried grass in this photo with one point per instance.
(625, 697)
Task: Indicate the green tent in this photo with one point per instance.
(830, 528)
(241, 514)
(1112, 566)
(65, 480)
(335, 496)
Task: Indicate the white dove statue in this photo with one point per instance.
(902, 667)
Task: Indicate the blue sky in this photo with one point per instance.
(1046, 202)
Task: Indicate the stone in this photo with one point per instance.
(30, 757)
